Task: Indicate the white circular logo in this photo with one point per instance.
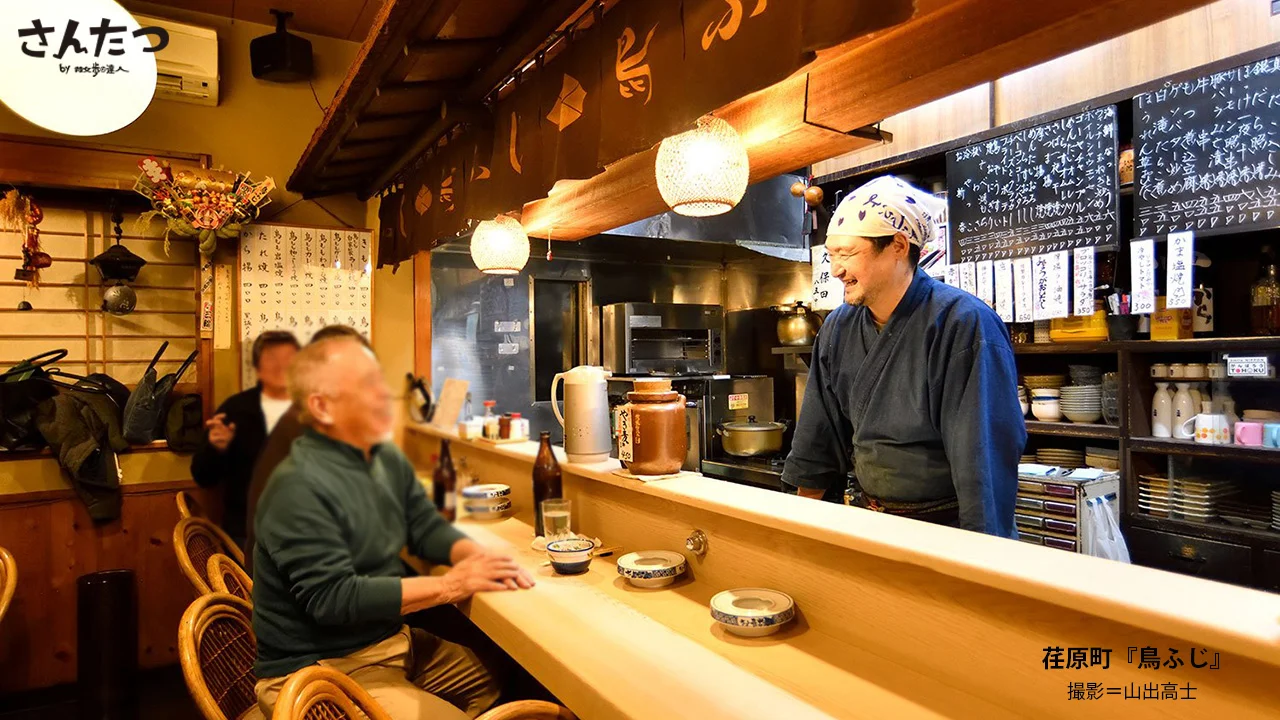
(76, 67)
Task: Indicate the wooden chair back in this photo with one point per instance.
(217, 649)
(188, 506)
(321, 693)
(225, 576)
(195, 540)
(529, 710)
(8, 580)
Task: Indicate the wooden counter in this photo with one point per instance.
(896, 618)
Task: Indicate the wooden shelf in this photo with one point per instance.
(1068, 429)
(1212, 531)
(793, 350)
(1208, 345)
(1167, 446)
(1076, 348)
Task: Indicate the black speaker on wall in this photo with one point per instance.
(280, 56)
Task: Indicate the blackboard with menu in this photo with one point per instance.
(1206, 153)
(1041, 189)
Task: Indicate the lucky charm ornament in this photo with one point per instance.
(119, 267)
(200, 203)
(19, 212)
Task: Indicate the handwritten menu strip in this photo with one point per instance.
(1049, 286)
(1204, 153)
(1142, 269)
(1004, 289)
(828, 291)
(953, 275)
(1084, 283)
(1022, 289)
(1047, 188)
(301, 279)
(985, 292)
(1178, 276)
(968, 278)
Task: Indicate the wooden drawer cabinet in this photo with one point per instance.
(1208, 559)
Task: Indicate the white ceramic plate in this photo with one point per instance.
(651, 568)
(752, 612)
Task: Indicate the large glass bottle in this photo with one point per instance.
(546, 479)
(444, 484)
(1266, 297)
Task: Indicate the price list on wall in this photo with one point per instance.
(1206, 153)
(1048, 188)
(301, 279)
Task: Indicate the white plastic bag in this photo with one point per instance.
(1104, 539)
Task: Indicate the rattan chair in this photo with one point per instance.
(8, 580)
(225, 576)
(321, 693)
(217, 649)
(195, 540)
(529, 710)
(188, 506)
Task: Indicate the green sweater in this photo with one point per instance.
(330, 527)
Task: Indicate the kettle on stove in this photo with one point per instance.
(585, 421)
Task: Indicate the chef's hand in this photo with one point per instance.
(220, 433)
(485, 572)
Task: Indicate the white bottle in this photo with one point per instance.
(1161, 411)
(1229, 409)
(1196, 397)
(1184, 408)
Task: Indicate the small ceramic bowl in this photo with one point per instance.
(490, 491)
(570, 557)
(1046, 410)
(752, 612)
(1025, 407)
(651, 568)
(1046, 394)
(487, 509)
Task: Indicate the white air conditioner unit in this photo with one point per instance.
(186, 70)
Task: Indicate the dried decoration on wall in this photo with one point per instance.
(199, 203)
(21, 213)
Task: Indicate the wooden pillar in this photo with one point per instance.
(422, 315)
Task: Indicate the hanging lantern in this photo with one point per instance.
(500, 246)
(703, 171)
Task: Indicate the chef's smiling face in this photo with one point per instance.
(865, 269)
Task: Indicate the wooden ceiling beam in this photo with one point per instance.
(397, 23)
(529, 32)
(418, 87)
(453, 45)
(945, 48)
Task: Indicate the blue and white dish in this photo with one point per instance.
(490, 491)
(651, 568)
(752, 612)
(486, 509)
(570, 557)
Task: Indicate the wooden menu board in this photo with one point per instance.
(1042, 189)
(1205, 153)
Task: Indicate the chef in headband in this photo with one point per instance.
(911, 406)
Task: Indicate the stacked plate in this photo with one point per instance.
(1042, 331)
(1039, 382)
(1081, 403)
(1193, 500)
(1102, 458)
(1070, 459)
(1029, 459)
(1245, 514)
(1275, 509)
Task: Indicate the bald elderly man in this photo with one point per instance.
(328, 586)
(912, 384)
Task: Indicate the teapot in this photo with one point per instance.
(587, 437)
(797, 324)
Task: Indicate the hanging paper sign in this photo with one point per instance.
(1083, 269)
(1142, 264)
(1040, 287)
(985, 292)
(1060, 284)
(968, 278)
(206, 296)
(828, 291)
(1022, 289)
(1178, 276)
(1004, 288)
(625, 432)
(953, 276)
(224, 322)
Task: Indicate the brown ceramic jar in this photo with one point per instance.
(652, 427)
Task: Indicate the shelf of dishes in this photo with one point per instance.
(1170, 446)
(1091, 396)
(1224, 344)
(1098, 458)
(1070, 429)
(1209, 501)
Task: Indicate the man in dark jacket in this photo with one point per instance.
(238, 430)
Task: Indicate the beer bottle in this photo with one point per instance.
(546, 480)
(444, 483)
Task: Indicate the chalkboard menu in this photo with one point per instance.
(1206, 153)
(1047, 188)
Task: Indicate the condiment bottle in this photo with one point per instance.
(444, 484)
(1266, 297)
(519, 427)
(504, 426)
(490, 420)
(546, 479)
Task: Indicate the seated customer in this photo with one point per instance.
(327, 574)
(238, 429)
(280, 441)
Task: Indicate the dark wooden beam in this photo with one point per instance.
(453, 115)
(417, 87)
(453, 45)
(397, 23)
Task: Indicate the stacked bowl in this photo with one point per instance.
(1045, 404)
(1024, 400)
(1082, 403)
(1085, 374)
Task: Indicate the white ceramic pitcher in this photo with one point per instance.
(586, 413)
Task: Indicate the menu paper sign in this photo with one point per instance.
(968, 278)
(1142, 264)
(1004, 289)
(828, 291)
(953, 276)
(1083, 268)
(985, 290)
(626, 444)
(1182, 251)
(1022, 289)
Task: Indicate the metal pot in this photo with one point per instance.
(797, 325)
(751, 438)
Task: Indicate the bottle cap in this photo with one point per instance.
(490, 403)
(515, 416)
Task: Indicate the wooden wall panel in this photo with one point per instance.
(53, 543)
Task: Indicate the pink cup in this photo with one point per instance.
(1248, 433)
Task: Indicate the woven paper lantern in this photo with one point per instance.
(703, 171)
(500, 246)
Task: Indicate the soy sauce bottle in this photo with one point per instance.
(546, 480)
(444, 483)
